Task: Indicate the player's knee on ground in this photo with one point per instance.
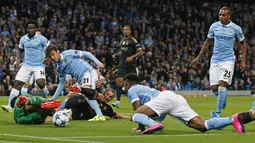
(40, 83)
(198, 124)
(214, 88)
(18, 84)
(119, 81)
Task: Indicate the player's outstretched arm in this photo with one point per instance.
(244, 51)
(202, 51)
(93, 58)
(60, 88)
(119, 116)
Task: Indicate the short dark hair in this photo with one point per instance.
(227, 8)
(50, 48)
(133, 77)
(32, 22)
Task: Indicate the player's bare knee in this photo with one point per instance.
(223, 83)
(40, 83)
(18, 84)
(198, 124)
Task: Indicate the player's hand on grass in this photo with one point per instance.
(136, 130)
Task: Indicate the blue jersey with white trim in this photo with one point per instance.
(224, 38)
(141, 93)
(34, 49)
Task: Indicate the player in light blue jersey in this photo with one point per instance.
(71, 62)
(33, 45)
(149, 103)
(224, 33)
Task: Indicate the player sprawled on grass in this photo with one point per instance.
(81, 110)
(149, 103)
(30, 109)
(71, 62)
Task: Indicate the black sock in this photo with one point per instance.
(90, 93)
(245, 117)
(118, 92)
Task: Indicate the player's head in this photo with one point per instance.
(224, 15)
(36, 91)
(127, 30)
(53, 53)
(109, 94)
(31, 28)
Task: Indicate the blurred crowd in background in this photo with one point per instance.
(172, 32)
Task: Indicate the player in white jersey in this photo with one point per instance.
(224, 33)
(33, 46)
(149, 103)
(71, 62)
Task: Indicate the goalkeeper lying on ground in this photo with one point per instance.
(81, 110)
(29, 109)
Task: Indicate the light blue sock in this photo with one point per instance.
(143, 119)
(94, 105)
(225, 103)
(216, 123)
(222, 94)
(14, 93)
(62, 106)
(253, 106)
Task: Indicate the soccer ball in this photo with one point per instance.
(60, 119)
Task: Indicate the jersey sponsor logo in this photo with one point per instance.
(229, 31)
(67, 67)
(223, 38)
(124, 48)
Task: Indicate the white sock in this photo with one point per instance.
(14, 93)
(24, 90)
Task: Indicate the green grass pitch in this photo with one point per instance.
(119, 131)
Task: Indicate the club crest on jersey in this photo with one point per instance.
(229, 31)
(36, 41)
(65, 60)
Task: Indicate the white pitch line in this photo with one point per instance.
(47, 138)
(141, 136)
